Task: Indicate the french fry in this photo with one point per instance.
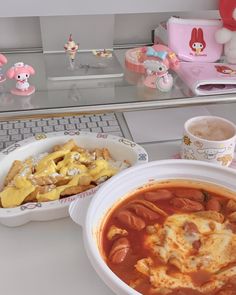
(85, 180)
(14, 170)
(32, 196)
(106, 154)
(46, 188)
(98, 153)
(68, 146)
(78, 149)
(55, 175)
(73, 190)
(58, 160)
(63, 181)
(47, 180)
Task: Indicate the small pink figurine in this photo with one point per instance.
(159, 59)
(3, 61)
(21, 72)
(71, 49)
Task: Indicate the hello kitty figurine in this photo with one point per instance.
(21, 73)
(159, 59)
(227, 35)
(3, 61)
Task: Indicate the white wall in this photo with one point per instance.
(136, 28)
(90, 32)
(99, 31)
(88, 7)
(20, 32)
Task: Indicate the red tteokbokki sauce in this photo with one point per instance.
(178, 237)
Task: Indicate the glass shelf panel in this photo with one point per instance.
(123, 93)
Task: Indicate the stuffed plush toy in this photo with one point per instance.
(227, 35)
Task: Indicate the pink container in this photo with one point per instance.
(194, 39)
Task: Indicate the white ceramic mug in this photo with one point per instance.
(209, 138)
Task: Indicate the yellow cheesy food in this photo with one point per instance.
(67, 170)
(173, 238)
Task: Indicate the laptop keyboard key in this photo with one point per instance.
(48, 129)
(13, 131)
(16, 137)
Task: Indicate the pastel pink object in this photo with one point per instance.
(21, 72)
(27, 92)
(3, 61)
(208, 78)
(135, 58)
(157, 64)
(194, 39)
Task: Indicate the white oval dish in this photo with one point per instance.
(120, 149)
(90, 213)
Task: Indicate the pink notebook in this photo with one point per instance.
(208, 78)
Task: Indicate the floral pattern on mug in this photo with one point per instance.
(188, 154)
(225, 160)
(187, 140)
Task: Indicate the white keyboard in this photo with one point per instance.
(13, 131)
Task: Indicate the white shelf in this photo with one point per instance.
(15, 8)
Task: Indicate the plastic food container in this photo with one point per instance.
(90, 213)
(120, 149)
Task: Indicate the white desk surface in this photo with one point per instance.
(46, 258)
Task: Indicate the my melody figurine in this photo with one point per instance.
(3, 61)
(71, 49)
(21, 73)
(159, 59)
(227, 35)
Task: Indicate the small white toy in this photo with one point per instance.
(21, 73)
(227, 35)
(71, 49)
(159, 59)
(158, 76)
